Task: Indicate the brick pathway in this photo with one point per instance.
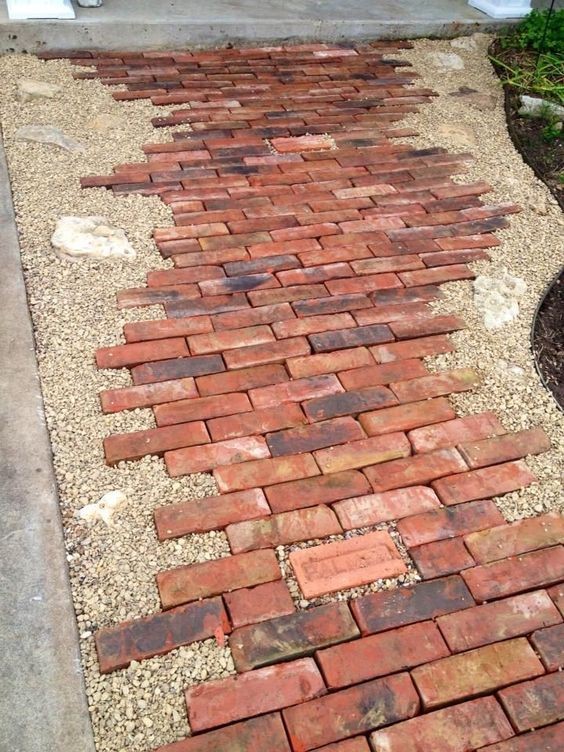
(307, 244)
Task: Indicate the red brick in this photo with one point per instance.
(348, 403)
(201, 458)
(333, 255)
(382, 314)
(454, 432)
(461, 256)
(292, 636)
(476, 672)
(351, 712)
(253, 316)
(269, 353)
(468, 241)
(548, 739)
(184, 260)
(281, 247)
(478, 484)
(439, 524)
(380, 189)
(191, 231)
(263, 602)
(510, 446)
(373, 509)
(295, 391)
(312, 491)
(202, 408)
(381, 654)
(557, 595)
(131, 397)
(314, 324)
(358, 378)
(492, 622)
(387, 264)
(238, 284)
(334, 304)
(211, 513)
(404, 417)
(184, 276)
(287, 294)
(347, 338)
(405, 296)
(314, 365)
(256, 266)
(425, 326)
(418, 348)
(435, 385)
(195, 581)
(514, 575)
(462, 728)
(256, 422)
(440, 558)
(132, 446)
(517, 538)
(535, 703)
(270, 688)
(176, 368)
(436, 275)
(315, 274)
(302, 143)
(220, 242)
(363, 284)
(265, 472)
(358, 744)
(134, 353)
(230, 339)
(549, 644)
(208, 305)
(164, 328)
(241, 380)
(363, 452)
(159, 633)
(427, 600)
(248, 736)
(416, 470)
(316, 436)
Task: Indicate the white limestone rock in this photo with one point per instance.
(496, 298)
(104, 509)
(90, 3)
(29, 89)
(48, 134)
(448, 60)
(537, 107)
(90, 237)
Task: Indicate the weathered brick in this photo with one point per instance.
(441, 435)
(497, 621)
(363, 452)
(403, 295)
(263, 602)
(256, 266)
(382, 654)
(184, 276)
(535, 703)
(292, 636)
(159, 633)
(363, 284)
(176, 368)
(265, 472)
(134, 353)
(287, 294)
(314, 274)
(241, 380)
(198, 459)
(302, 143)
(351, 711)
(412, 471)
(427, 600)
(253, 316)
(132, 446)
(358, 744)
(383, 314)
(334, 304)
(435, 385)
(439, 524)
(478, 484)
(461, 728)
(272, 352)
(229, 339)
(557, 595)
(425, 326)
(404, 417)
(373, 509)
(315, 436)
(365, 376)
(248, 735)
(514, 575)
(517, 538)
(313, 324)
(348, 403)
(412, 348)
(202, 408)
(140, 331)
(548, 739)
(436, 275)
(131, 397)
(387, 264)
(312, 491)
(207, 305)
(476, 672)
(282, 529)
(270, 688)
(346, 564)
(195, 581)
(440, 558)
(549, 644)
(510, 446)
(211, 513)
(295, 391)
(347, 338)
(256, 422)
(314, 365)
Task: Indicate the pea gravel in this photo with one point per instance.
(74, 312)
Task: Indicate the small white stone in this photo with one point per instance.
(448, 60)
(105, 508)
(496, 298)
(29, 88)
(90, 237)
(535, 107)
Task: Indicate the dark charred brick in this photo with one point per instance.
(362, 335)
(177, 368)
(349, 403)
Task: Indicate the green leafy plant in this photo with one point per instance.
(544, 77)
(528, 35)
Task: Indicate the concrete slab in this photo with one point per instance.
(144, 24)
(43, 704)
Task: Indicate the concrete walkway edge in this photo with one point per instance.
(43, 705)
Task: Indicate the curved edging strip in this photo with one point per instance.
(547, 291)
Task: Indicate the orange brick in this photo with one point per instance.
(241, 380)
(272, 352)
(256, 422)
(383, 314)
(517, 538)
(435, 385)
(198, 459)
(478, 484)
(184, 276)
(358, 378)
(140, 352)
(195, 581)
(312, 491)
(261, 603)
(211, 513)
(202, 408)
(295, 391)
(287, 294)
(253, 317)
(164, 328)
(227, 340)
(437, 275)
(418, 348)
(146, 395)
(314, 365)
(510, 446)
(282, 529)
(548, 739)
(132, 446)
(346, 564)
(265, 472)
(271, 688)
(454, 432)
(416, 470)
(313, 324)
(362, 511)
(302, 143)
(313, 274)
(363, 284)
(425, 326)
(404, 417)
(363, 452)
